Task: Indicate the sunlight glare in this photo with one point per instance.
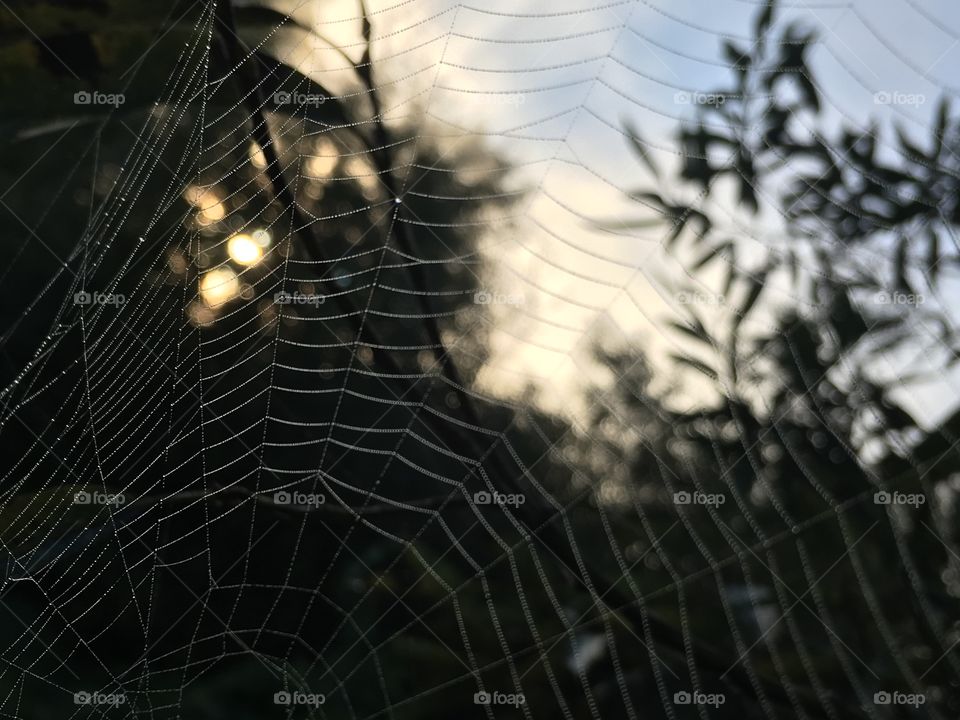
(219, 286)
(244, 249)
(208, 203)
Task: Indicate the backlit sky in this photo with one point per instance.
(550, 84)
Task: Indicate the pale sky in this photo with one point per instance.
(550, 85)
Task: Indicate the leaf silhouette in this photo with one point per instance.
(636, 142)
(756, 284)
(940, 129)
(912, 149)
(696, 331)
(712, 253)
(933, 254)
(764, 19)
(697, 365)
(900, 265)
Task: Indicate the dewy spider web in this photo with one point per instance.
(259, 464)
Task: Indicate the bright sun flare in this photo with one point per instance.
(244, 249)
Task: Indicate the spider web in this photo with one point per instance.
(283, 445)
